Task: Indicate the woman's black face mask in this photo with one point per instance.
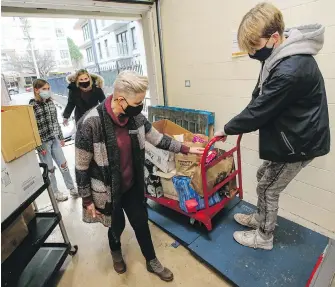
(132, 111)
(84, 84)
(263, 53)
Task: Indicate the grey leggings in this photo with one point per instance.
(273, 178)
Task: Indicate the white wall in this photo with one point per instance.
(197, 47)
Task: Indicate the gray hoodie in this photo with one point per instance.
(307, 40)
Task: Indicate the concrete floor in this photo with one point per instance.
(92, 266)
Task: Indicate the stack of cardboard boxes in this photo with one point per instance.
(162, 166)
(20, 172)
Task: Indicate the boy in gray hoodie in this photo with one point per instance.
(288, 107)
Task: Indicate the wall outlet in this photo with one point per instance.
(187, 83)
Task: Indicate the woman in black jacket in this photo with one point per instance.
(85, 92)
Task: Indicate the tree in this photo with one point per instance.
(75, 54)
(45, 63)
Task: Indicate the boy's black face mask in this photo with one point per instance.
(263, 53)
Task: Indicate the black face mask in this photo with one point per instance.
(132, 111)
(263, 53)
(84, 84)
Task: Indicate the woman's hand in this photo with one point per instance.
(44, 152)
(62, 143)
(197, 150)
(91, 209)
(65, 122)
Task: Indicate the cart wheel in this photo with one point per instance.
(192, 221)
(74, 251)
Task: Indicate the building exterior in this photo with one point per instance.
(46, 36)
(107, 42)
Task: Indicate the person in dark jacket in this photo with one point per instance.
(85, 92)
(288, 107)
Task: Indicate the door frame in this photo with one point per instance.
(145, 13)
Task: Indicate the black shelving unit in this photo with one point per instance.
(34, 262)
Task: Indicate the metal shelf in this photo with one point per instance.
(47, 261)
(39, 230)
(33, 262)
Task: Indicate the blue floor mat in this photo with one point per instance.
(290, 263)
(174, 224)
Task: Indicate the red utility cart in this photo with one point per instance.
(205, 215)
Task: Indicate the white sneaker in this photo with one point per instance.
(253, 239)
(247, 220)
(74, 192)
(60, 196)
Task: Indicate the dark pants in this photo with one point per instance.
(136, 211)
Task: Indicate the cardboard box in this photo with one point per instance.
(19, 132)
(164, 160)
(12, 237)
(19, 180)
(167, 184)
(29, 214)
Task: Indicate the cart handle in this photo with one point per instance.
(205, 166)
(45, 171)
(209, 146)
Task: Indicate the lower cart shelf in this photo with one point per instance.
(39, 230)
(46, 262)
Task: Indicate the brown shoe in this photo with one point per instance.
(155, 267)
(118, 263)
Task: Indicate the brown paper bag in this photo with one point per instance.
(186, 164)
(215, 175)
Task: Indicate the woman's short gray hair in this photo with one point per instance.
(131, 83)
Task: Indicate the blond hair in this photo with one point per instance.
(37, 84)
(130, 83)
(260, 22)
(82, 72)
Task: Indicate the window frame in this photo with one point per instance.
(133, 37)
(89, 54)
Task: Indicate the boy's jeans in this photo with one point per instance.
(273, 178)
(54, 152)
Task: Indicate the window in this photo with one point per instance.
(64, 54)
(121, 42)
(60, 33)
(100, 51)
(106, 47)
(96, 26)
(86, 31)
(65, 62)
(89, 54)
(133, 38)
